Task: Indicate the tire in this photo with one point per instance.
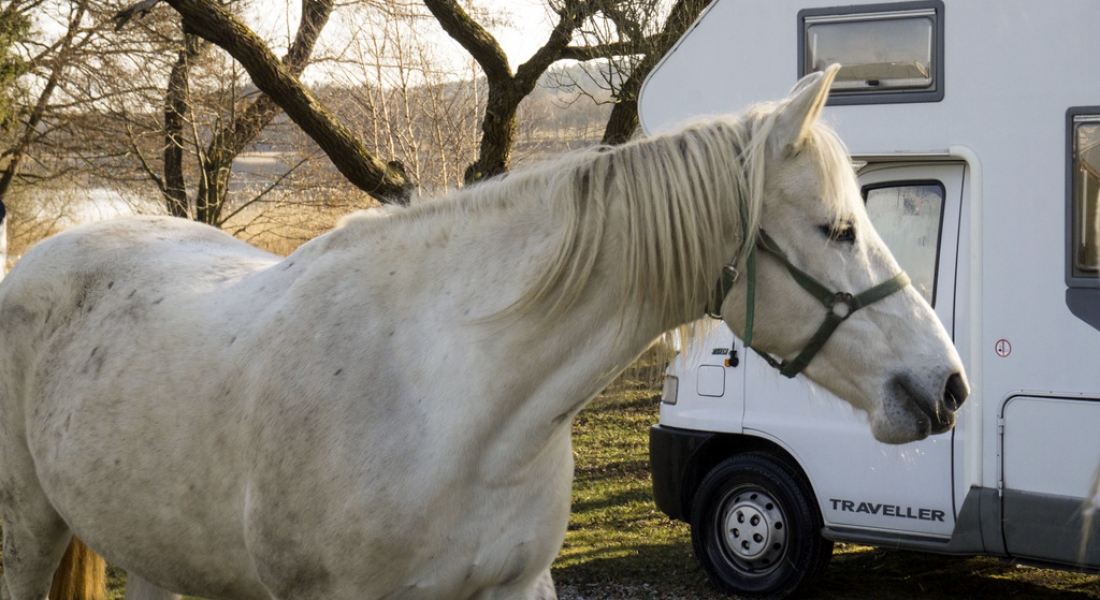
(756, 528)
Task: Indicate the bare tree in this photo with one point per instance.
(279, 81)
(629, 42)
(239, 118)
(48, 63)
(60, 39)
(14, 28)
(402, 98)
(505, 89)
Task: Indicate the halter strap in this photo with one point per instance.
(840, 305)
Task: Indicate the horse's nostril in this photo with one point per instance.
(955, 393)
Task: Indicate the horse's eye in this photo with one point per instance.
(841, 233)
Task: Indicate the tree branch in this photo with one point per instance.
(140, 9)
(585, 53)
(481, 44)
(623, 121)
(214, 23)
(570, 17)
(30, 128)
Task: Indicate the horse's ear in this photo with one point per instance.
(801, 110)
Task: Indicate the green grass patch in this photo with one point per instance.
(616, 533)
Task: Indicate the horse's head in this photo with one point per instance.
(888, 355)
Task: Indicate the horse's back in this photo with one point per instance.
(97, 280)
(138, 250)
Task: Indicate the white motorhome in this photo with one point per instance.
(975, 128)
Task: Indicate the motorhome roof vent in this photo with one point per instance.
(887, 52)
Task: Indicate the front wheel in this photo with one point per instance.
(756, 529)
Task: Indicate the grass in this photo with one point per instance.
(617, 535)
(616, 532)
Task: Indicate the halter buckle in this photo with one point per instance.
(731, 272)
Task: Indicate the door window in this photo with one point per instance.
(909, 217)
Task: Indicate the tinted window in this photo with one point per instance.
(884, 54)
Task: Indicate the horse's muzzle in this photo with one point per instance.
(934, 411)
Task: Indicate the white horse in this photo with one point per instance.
(386, 412)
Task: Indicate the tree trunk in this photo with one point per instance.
(229, 141)
(506, 91)
(175, 108)
(213, 188)
(623, 121)
(498, 135)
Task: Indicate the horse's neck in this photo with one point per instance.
(514, 379)
(538, 370)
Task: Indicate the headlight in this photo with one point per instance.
(671, 388)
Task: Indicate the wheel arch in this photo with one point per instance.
(722, 446)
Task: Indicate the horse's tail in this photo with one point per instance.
(81, 576)
(1089, 514)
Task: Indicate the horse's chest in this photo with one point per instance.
(435, 531)
(504, 552)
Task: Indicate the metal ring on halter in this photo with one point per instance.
(842, 299)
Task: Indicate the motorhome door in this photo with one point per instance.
(861, 483)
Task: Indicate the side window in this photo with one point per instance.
(888, 53)
(909, 218)
(1084, 198)
(1083, 213)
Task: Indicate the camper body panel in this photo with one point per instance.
(1014, 72)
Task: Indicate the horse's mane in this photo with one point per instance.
(678, 195)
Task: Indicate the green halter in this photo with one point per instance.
(840, 305)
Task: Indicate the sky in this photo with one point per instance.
(530, 26)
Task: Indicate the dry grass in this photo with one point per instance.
(283, 224)
(279, 224)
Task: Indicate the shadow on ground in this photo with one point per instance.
(855, 573)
